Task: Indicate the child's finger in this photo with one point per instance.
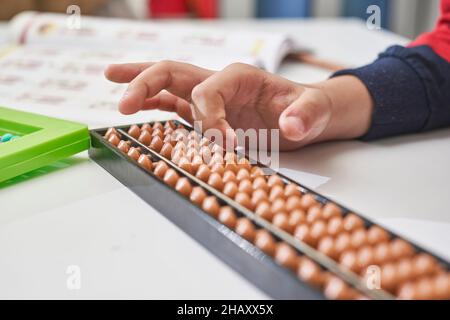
(306, 117)
(176, 77)
(123, 73)
(166, 101)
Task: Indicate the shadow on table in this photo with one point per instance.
(43, 171)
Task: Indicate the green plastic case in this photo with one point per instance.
(43, 140)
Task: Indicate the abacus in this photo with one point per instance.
(288, 240)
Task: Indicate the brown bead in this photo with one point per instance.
(145, 162)
(183, 186)
(245, 228)
(441, 286)
(111, 131)
(215, 181)
(349, 260)
(389, 277)
(203, 172)
(314, 214)
(158, 133)
(245, 186)
(365, 257)
(134, 153)
(331, 210)
(244, 200)
(337, 289)
(275, 180)
(302, 233)
(147, 127)
(276, 192)
(405, 270)
(243, 163)
(292, 189)
(265, 241)
(160, 169)
(327, 247)
(400, 248)
(307, 201)
(310, 272)
(281, 220)
(197, 195)
(296, 217)
(134, 131)
(261, 184)
(377, 235)
(171, 177)
(114, 139)
(170, 124)
(229, 157)
(242, 174)
(382, 253)
(211, 206)
(158, 125)
(352, 222)
(286, 256)
(185, 164)
(196, 162)
(145, 138)
(424, 265)
(256, 172)
(263, 210)
(258, 196)
(166, 150)
(228, 176)
(358, 238)
(218, 168)
(279, 205)
(190, 153)
(156, 144)
(408, 291)
(335, 226)
(230, 189)
(293, 202)
(124, 146)
(342, 243)
(231, 166)
(227, 217)
(318, 230)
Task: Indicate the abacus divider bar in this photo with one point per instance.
(305, 249)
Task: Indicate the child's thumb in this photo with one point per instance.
(306, 117)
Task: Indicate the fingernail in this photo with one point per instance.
(294, 128)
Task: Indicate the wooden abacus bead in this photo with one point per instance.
(302, 233)
(265, 241)
(170, 124)
(292, 189)
(358, 238)
(327, 247)
(216, 159)
(211, 206)
(160, 169)
(196, 163)
(405, 270)
(183, 186)
(407, 291)
(229, 157)
(259, 195)
(242, 174)
(134, 131)
(171, 177)
(167, 132)
(286, 256)
(382, 253)
(215, 181)
(197, 195)
(400, 248)
(158, 133)
(114, 139)
(281, 220)
(335, 226)
(256, 172)
(230, 189)
(293, 202)
(156, 144)
(124, 146)
(134, 153)
(441, 286)
(245, 228)
(145, 138)
(276, 192)
(229, 176)
(314, 214)
(331, 210)
(244, 200)
(170, 139)
(227, 216)
(243, 163)
(349, 260)
(318, 230)
(310, 272)
(307, 201)
(111, 131)
(337, 289)
(365, 257)
(218, 168)
(245, 186)
(185, 164)
(177, 154)
(424, 265)
(275, 180)
(145, 162)
(377, 235)
(158, 125)
(263, 210)
(296, 217)
(166, 150)
(278, 205)
(203, 172)
(206, 155)
(342, 243)
(147, 127)
(260, 183)
(389, 277)
(352, 222)
(193, 145)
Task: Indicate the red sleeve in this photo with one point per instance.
(439, 38)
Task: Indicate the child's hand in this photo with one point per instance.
(243, 96)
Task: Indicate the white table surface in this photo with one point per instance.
(77, 214)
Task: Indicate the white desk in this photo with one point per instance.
(80, 215)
